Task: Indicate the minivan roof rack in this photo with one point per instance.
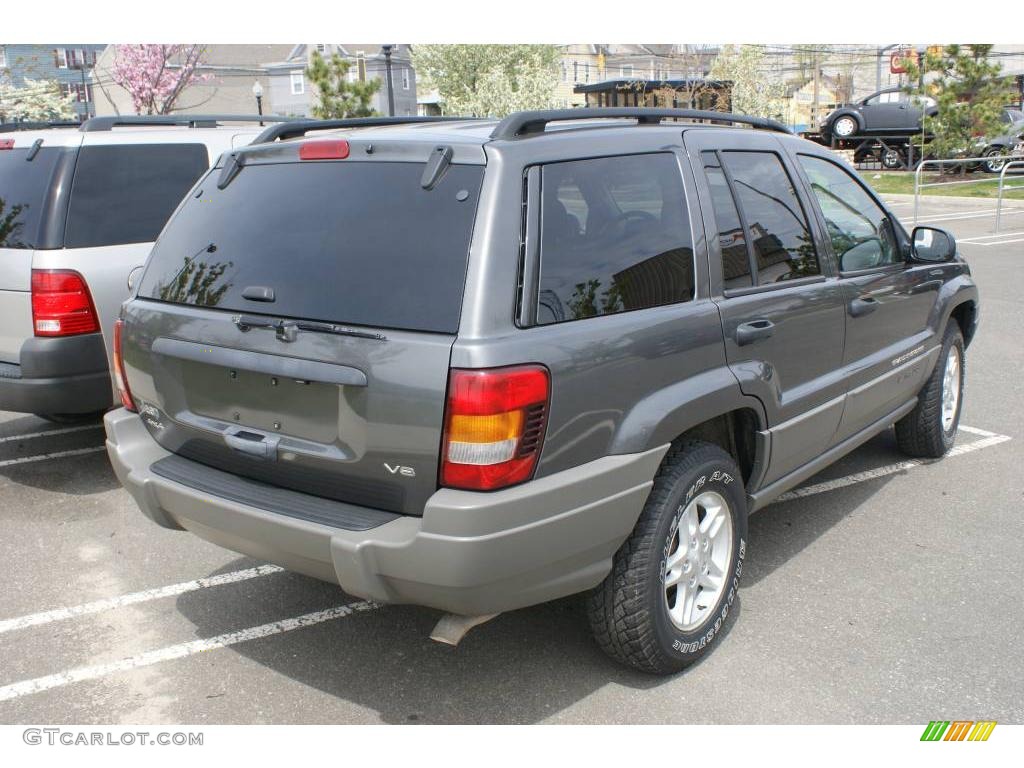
(108, 122)
(36, 125)
(520, 124)
(296, 128)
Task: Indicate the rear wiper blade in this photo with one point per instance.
(288, 330)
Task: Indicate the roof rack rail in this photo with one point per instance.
(108, 122)
(36, 125)
(296, 128)
(520, 124)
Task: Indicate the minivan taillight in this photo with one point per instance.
(494, 426)
(61, 304)
(119, 378)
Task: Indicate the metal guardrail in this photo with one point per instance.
(1011, 160)
(1003, 187)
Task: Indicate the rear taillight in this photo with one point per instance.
(6, 143)
(61, 304)
(494, 426)
(119, 378)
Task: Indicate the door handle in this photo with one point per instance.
(253, 444)
(747, 333)
(863, 306)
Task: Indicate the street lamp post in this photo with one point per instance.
(386, 49)
(257, 91)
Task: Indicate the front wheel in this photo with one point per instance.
(674, 581)
(844, 127)
(929, 430)
(995, 160)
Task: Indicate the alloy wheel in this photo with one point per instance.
(951, 388)
(695, 572)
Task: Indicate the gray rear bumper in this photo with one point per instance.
(471, 553)
(60, 375)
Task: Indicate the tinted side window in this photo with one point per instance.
(27, 190)
(862, 235)
(615, 236)
(125, 194)
(731, 238)
(783, 244)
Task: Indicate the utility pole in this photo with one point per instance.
(387, 71)
(817, 88)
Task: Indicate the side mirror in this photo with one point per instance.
(134, 276)
(932, 245)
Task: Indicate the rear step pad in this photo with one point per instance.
(271, 498)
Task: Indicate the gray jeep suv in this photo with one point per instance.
(477, 366)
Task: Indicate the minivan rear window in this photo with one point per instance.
(26, 192)
(359, 243)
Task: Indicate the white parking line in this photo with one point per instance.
(182, 650)
(889, 469)
(979, 238)
(149, 658)
(976, 431)
(46, 432)
(133, 598)
(966, 215)
(56, 455)
(1000, 242)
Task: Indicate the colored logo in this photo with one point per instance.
(958, 730)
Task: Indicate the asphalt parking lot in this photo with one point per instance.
(883, 591)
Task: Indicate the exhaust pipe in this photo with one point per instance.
(452, 628)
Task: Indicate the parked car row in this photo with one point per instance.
(478, 365)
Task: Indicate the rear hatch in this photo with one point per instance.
(32, 213)
(295, 327)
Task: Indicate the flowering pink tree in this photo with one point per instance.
(156, 75)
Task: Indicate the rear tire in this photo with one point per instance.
(929, 431)
(674, 580)
(891, 159)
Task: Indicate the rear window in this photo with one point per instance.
(125, 194)
(360, 243)
(27, 191)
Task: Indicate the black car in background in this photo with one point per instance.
(890, 111)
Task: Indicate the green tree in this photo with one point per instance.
(754, 91)
(970, 91)
(488, 80)
(336, 96)
(36, 100)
